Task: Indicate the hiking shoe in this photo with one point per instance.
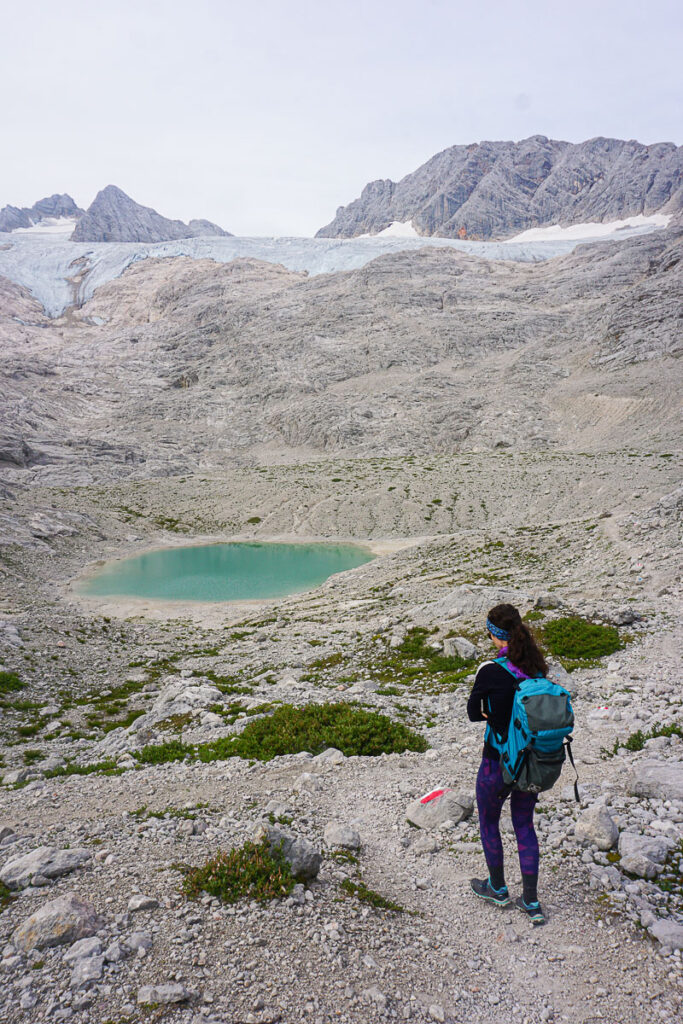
(501, 897)
(532, 910)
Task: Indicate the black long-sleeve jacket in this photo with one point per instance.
(492, 693)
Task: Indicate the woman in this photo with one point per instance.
(491, 701)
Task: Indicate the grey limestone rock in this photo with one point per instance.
(83, 949)
(140, 902)
(61, 921)
(86, 971)
(596, 826)
(668, 932)
(643, 855)
(461, 646)
(457, 193)
(450, 806)
(46, 861)
(172, 992)
(344, 836)
(660, 779)
(300, 854)
(115, 217)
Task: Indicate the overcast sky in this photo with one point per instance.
(265, 116)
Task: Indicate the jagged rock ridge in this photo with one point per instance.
(13, 217)
(114, 217)
(497, 189)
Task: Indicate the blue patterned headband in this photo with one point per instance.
(501, 634)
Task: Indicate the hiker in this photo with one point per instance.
(491, 701)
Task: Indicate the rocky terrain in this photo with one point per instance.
(180, 365)
(52, 207)
(496, 431)
(115, 217)
(498, 189)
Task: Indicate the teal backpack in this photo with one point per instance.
(542, 719)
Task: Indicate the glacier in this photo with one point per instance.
(60, 273)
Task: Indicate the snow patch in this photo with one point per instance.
(592, 229)
(49, 226)
(397, 229)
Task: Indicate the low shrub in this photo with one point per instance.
(163, 753)
(375, 899)
(314, 727)
(251, 871)
(637, 740)
(579, 640)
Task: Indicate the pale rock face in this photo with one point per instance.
(457, 193)
(61, 921)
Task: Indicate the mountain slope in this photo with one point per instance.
(13, 217)
(114, 217)
(497, 189)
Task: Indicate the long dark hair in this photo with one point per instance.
(522, 648)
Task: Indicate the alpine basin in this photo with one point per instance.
(225, 572)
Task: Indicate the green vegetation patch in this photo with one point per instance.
(163, 753)
(10, 682)
(375, 899)
(637, 740)
(252, 871)
(414, 661)
(579, 640)
(314, 727)
(6, 896)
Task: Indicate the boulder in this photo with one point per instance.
(439, 806)
(668, 932)
(459, 645)
(662, 780)
(61, 921)
(643, 855)
(46, 862)
(596, 826)
(338, 835)
(330, 756)
(302, 856)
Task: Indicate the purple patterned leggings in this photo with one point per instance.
(490, 804)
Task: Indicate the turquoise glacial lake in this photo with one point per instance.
(225, 572)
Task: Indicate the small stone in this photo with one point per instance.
(436, 1012)
(307, 782)
(338, 835)
(140, 902)
(596, 826)
(139, 940)
(87, 971)
(163, 994)
(83, 948)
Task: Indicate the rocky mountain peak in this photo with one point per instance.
(114, 217)
(496, 189)
(51, 207)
